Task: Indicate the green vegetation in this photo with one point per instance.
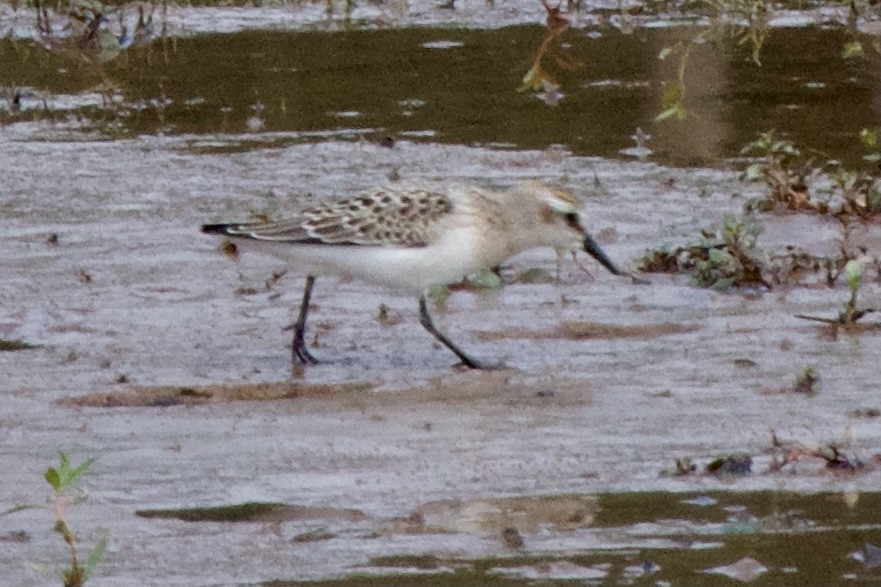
(64, 480)
(745, 23)
(725, 257)
(778, 169)
(849, 314)
(730, 256)
(798, 183)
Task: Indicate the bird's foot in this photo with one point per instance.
(467, 363)
(303, 356)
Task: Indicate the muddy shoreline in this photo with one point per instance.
(571, 414)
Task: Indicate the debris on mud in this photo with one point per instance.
(19, 536)
(745, 363)
(731, 465)
(16, 345)
(253, 512)
(583, 330)
(560, 570)
(313, 536)
(484, 280)
(865, 413)
(869, 556)
(684, 466)
(512, 538)
(807, 382)
(832, 456)
(746, 570)
(808, 458)
(534, 275)
(162, 396)
(499, 515)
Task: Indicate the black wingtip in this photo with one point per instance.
(216, 228)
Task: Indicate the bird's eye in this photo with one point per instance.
(572, 220)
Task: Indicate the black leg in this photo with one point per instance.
(299, 347)
(425, 320)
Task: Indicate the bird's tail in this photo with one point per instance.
(224, 229)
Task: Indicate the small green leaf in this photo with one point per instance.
(439, 294)
(76, 474)
(718, 256)
(784, 147)
(485, 279)
(535, 275)
(755, 172)
(678, 112)
(90, 5)
(671, 102)
(853, 274)
(108, 46)
(723, 284)
(53, 478)
(666, 115)
(671, 95)
(64, 477)
(852, 49)
(730, 223)
(64, 467)
(95, 557)
(533, 80)
(869, 138)
(751, 147)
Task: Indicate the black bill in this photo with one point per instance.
(597, 253)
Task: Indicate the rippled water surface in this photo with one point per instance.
(460, 86)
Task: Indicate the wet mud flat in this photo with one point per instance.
(168, 362)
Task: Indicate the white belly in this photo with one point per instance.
(410, 269)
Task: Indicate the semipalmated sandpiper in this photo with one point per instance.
(408, 238)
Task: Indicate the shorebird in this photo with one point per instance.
(408, 238)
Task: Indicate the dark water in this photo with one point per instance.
(802, 540)
(467, 94)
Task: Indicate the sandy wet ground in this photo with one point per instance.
(606, 384)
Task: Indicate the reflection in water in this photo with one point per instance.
(538, 79)
(302, 81)
(85, 33)
(770, 538)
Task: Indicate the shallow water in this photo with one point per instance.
(460, 87)
(653, 538)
